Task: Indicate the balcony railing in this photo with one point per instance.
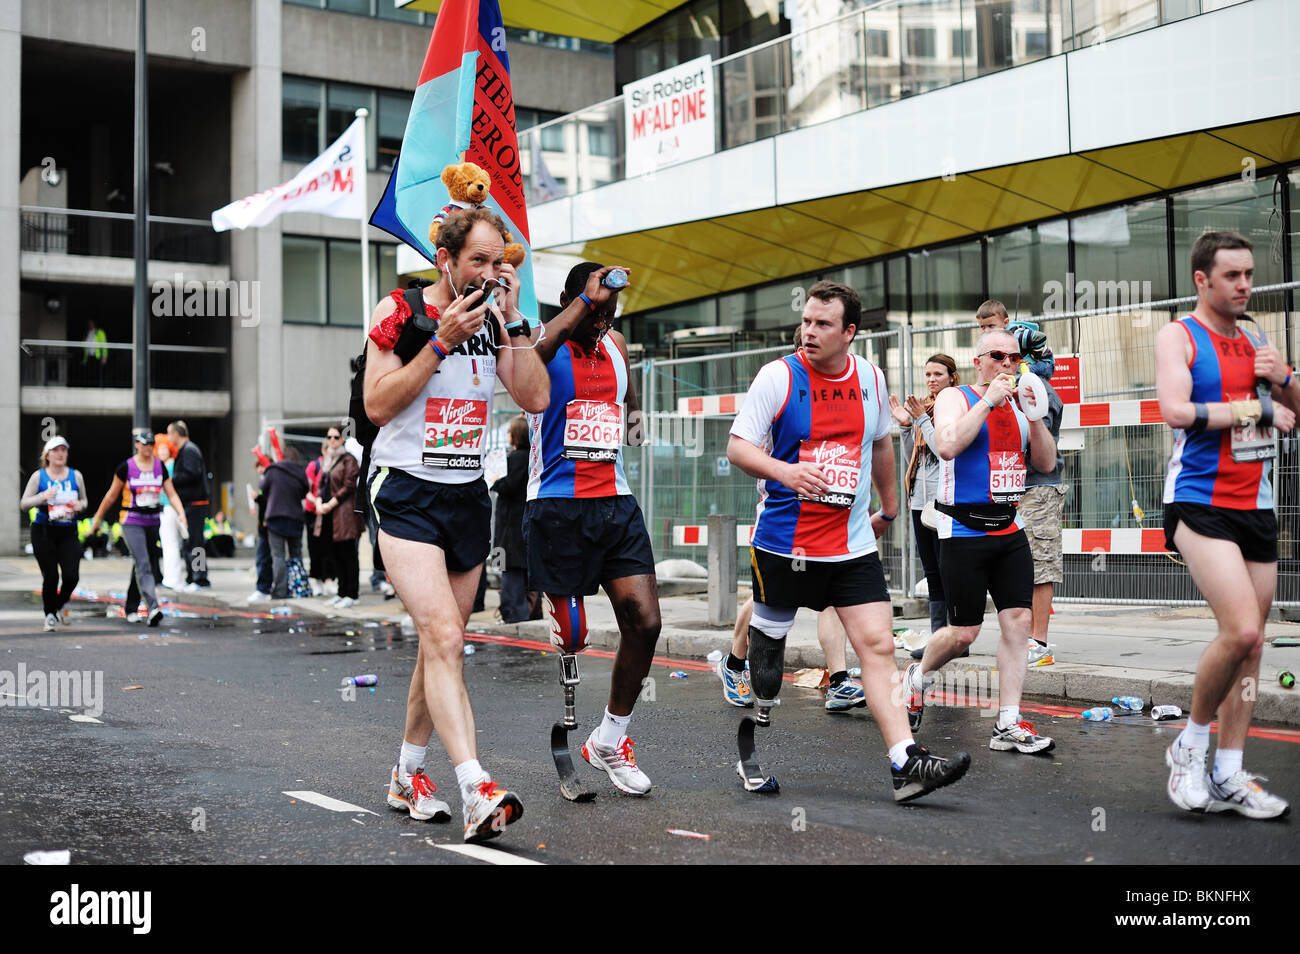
(112, 235)
(112, 365)
(880, 54)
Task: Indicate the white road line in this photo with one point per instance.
(324, 801)
(490, 855)
(85, 718)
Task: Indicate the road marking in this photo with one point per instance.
(85, 718)
(490, 855)
(324, 801)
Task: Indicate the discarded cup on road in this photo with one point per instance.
(1164, 713)
(1287, 679)
(855, 672)
(715, 656)
(279, 611)
(677, 674)
(370, 679)
(1128, 703)
(1099, 714)
(469, 650)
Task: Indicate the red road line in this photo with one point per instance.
(185, 607)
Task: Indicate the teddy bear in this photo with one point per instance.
(468, 185)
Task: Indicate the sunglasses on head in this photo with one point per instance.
(1000, 355)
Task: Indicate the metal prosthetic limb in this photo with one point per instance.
(766, 658)
(570, 787)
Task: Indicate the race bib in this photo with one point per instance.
(1251, 442)
(146, 495)
(1006, 476)
(63, 506)
(842, 466)
(593, 430)
(453, 433)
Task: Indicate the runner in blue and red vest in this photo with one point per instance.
(582, 527)
(1225, 395)
(815, 430)
(982, 437)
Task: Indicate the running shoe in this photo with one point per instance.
(924, 772)
(51, 622)
(847, 695)
(65, 617)
(155, 617)
(1021, 738)
(1188, 786)
(1040, 654)
(1240, 793)
(735, 685)
(619, 764)
(257, 596)
(489, 809)
(915, 700)
(345, 602)
(414, 793)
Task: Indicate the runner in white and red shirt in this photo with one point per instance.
(815, 430)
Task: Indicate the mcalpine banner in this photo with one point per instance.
(668, 117)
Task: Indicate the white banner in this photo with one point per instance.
(668, 117)
(328, 185)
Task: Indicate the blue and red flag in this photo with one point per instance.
(462, 104)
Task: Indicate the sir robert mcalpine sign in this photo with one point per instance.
(668, 117)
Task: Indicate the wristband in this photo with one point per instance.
(885, 517)
(591, 306)
(1202, 419)
(989, 403)
(1288, 377)
(437, 348)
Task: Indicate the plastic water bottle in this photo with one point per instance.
(367, 680)
(1129, 703)
(1161, 713)
(1099, 714)
(469, 649)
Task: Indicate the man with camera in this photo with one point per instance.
(582, 527)
(433, 405)
(982, 436)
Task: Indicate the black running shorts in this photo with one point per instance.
(1253, 531)
(456, 518)
(574, 545)
(785, 582)
(999, 566)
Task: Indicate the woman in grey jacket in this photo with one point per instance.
(922, 480)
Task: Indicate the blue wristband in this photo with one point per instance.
(887, 518)
(437, 348)
(591, 306)
(1288, 378)
(989, 403)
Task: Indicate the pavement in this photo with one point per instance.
(1102, 650)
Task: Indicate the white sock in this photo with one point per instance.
(898, 752)
(1008, 716)
(468, 774)
(411, 758)
(612, 728)
(921, 680)
(1195, 736)
(1227, 762)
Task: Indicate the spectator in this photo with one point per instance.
(512, 491)
(190, 478)
(285, 487)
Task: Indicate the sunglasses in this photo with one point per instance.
(1000, 355)
(334, 437)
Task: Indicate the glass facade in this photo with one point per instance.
(314, 113)
(322, 279)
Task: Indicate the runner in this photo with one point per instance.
(144, 475)
(1224, 394)
(981, 436)
(430, 502)
(814, 429)
(582, 526)
(58, 493)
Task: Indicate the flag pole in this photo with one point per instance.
(366, 301)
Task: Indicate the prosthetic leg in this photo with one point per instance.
(569, 637)
(766, 658)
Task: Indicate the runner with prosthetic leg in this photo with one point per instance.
(582, 526)
(814, 428)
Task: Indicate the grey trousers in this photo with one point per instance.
(137, 540)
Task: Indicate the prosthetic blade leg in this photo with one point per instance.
(570, 787)
(750, 772)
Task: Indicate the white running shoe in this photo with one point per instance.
(345, 602)
(316, 589)
(51, 622)
(489, 809)
(414, 793)
(619, 763)
(1188, 786)
(1242, 794)
(258, 596)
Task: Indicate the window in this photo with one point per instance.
(343, 102)
(600, 141)
(390, 127)
(322, 280)
(361, 7)
(920, 42)
(553, 137)
(304, 280)
(301, 119)
(963, 43)
(1035, 43)
(878, 43)
(1237, 206)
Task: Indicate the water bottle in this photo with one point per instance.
(1161, 713)
(1099, 714)
(1129, 703)
(367, 680)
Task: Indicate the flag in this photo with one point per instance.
(462, 104)
(328, 185)
(545, 187)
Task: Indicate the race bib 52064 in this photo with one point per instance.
(593, 430)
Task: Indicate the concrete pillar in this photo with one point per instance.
(722, 569)
(11, 60)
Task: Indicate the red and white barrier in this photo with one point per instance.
(712, 405)
(691, 535)
(1112, 414)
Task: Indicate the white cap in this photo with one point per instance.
(54, 442)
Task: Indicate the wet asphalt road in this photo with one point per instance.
(233, 712)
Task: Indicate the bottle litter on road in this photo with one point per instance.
(1128, 703)
(370, 679)
(1162, 713)
(469, 650)
(1099, 714)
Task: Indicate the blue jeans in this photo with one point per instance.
(262, 558)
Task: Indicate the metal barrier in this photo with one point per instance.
(75, 365)
(112, 234)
